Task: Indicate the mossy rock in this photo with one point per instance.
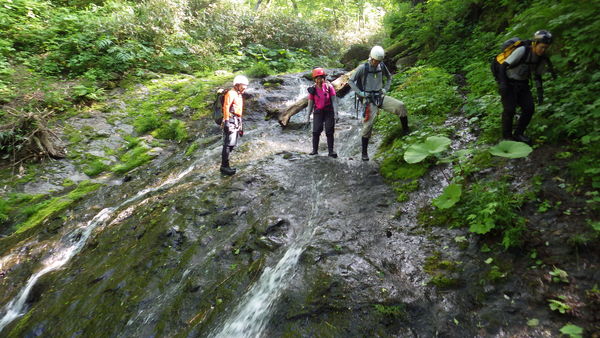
(355, 55)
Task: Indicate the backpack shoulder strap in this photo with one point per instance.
(386, 71)
(331, 89)
(365, 73)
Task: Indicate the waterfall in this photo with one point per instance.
(253, 313)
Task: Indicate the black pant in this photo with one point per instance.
(323, 117)
(230, 138)
(517, 94)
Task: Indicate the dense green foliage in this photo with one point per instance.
(97, 42)
(461, 37)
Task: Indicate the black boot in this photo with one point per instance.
(315, 144)
(225, 168)
(227, 171)
(330, 146)
(405, 128)
(365, 145)
(507, 125)
(520, 130)
(522, 138)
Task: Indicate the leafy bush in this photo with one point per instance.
(427, 91)
(259, 69)
(490, 206)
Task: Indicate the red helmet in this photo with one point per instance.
(318, 72)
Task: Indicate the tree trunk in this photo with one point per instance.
(341, 88)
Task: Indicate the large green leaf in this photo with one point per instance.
(416, 153)
(572, 331)
(419, 151)
(449, 197)
(437, 144)
(511, 149)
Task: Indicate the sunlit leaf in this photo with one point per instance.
(419, 151)
(416, 153)
(449, 197)
(572, 331)
(511, 149)
(437, 144)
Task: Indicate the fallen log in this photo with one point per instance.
(341, 88)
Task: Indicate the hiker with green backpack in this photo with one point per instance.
(232, 108)
(367, 83)
(513, 69)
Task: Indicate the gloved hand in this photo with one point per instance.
(241, 132)
(362, 94)
(383, 91)
(503, 88)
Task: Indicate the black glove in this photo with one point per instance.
(241, 132)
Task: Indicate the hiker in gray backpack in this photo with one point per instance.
(367, 83)
(513, 76)
(233, 107)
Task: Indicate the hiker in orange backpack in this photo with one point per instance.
(323, 103)
(233, 106)
(513, 74)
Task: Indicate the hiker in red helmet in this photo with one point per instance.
(323, 103)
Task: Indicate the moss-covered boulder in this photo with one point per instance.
(355, 55)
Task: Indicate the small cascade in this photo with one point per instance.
(75, 241)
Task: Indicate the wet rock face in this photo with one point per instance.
(189, 252)
(185, 247)
(355, 55)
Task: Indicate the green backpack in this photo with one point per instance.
(218, 106)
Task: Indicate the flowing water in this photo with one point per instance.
(251, 315)
(291, 244)
(75, 241)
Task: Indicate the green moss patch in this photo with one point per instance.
(133, 158)
(42, 211)
(169, 96)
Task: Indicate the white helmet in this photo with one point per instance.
(240, 79)
(377, 53)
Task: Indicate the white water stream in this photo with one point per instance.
(77, 239)
(254, 311)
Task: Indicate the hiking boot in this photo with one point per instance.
(227, 171)
(405, 128)
(315, 144)
(334, 155)
(365, 145)
(522, 138)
